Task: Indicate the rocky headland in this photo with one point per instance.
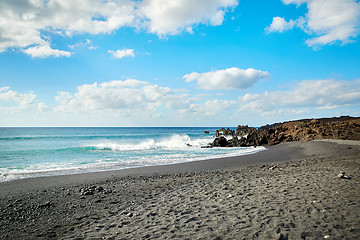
(344, 128)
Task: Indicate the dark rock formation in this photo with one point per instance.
(244, 130)
(224, 132)
(345, 127)
(221, 142)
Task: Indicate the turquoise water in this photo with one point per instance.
(33, 152)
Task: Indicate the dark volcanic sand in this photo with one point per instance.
(289, 191)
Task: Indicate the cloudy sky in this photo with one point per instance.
(178, 62)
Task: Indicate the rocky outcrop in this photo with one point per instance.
(243, 137)
(244, 130)
(346, 128)
(224, 132)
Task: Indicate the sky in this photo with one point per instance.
(177, 63)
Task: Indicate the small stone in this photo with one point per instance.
(272, 167)
(327, 236)
(88, 193)
(45, 205)
(281, 236)
(343, 175)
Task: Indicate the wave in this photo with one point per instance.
(175, 142)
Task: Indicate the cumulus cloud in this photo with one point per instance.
(328, 20)
(122, 53)
(164, 17)
(29, 24)
(24, 23)
(14, 101)
(44, 51)
(279, 24)
(319, 94)
(117, 96)
(137, 100)
(230, 78)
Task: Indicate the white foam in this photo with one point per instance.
(113, 146)
(228, 137)
(175, 142)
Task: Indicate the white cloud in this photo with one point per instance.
(14, 101)
(24, 23)
(164, 17)
(122, 53)
(328, 20)
(42, 107)
(335, 20)
(29, 24)
(116, 96)
(279, 24)
(136, 100)
(206, 109)
(230, 78)
(87, 43)
(297, 2)
(320, 94)
(44, 51)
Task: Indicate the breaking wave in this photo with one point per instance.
(175, 142)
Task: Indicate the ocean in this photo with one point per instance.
(35, 152)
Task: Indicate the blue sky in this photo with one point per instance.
(177, 63)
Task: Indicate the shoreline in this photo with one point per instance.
(289, 191)
(126, 169)
(287, 151)
(278, 152)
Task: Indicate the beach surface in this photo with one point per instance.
(290, 191)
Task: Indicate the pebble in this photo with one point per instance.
(45, 205)
(343, 175)
(272, 167)
(282, 237)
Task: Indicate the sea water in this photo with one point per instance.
(34, 152)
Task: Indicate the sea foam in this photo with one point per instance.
(175, 142)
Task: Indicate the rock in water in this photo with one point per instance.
(220, 142)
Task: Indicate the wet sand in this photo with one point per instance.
(290, 191)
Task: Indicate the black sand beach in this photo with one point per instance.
(290, 191)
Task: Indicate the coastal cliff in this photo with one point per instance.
(345, 128)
